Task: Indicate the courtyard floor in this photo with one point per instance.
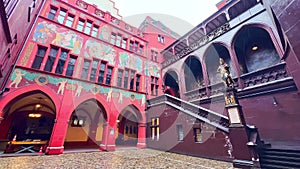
(119, 159)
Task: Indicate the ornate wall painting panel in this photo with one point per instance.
(130, 61)
(152, 69)
(48, 33)
(93, 48)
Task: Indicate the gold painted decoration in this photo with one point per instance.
(95, 90)
(27, 54)
(70, 87)
(41, 80)
(81, 4)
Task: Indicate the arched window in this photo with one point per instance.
(193, 73)
(255, 49)
(212, 56)
(171, 84)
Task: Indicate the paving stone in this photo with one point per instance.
(120, 159)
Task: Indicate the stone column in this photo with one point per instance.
(141, 135)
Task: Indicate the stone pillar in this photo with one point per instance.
(141, 135)
(56, 143)
(108, 138)
(238, 132)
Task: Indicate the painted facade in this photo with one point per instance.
(81, 80)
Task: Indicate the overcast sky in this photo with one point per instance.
(181, 16)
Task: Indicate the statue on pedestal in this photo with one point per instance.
(225, 73)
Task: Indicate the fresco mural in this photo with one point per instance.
(46, 33)
(130, 61)
(152, 69)
(22, 77)
(104, 33)
(93, 48)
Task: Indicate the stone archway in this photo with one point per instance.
(28, 117)
(130, 128)
(85, 127)
(171, 85)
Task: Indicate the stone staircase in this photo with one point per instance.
(217, 120)
(271, 158)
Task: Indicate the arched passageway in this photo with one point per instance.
(193, 74)
(254, 49)
(212, 58)
(128, 126)
(85, 128)
(29, 117)
(171, 85)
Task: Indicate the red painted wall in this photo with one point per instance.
(18, 19)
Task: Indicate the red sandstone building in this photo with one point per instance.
(82, 77)
(260, 43)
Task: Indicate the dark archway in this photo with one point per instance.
(128, 126)
(212, 56)
(193, 74)
(255, 49)
(171, 86)
(85, 128)
(28, 117)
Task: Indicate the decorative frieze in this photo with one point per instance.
(201, 42)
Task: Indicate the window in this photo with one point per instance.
(70, 20)
(137, 83)
(120, 75)
(154, 55)
(108, 75)
(85, 69)
(124, 43)
(52, 13)
(94, 70)
(126, 78)
(180, 135)
(61, 62)
(101, 72)
(131, 45)
(88, 27)
(39, 57)
(136, 46)
(197, 135)
(9, 6)
(141, 49)
(80, 25)
(154, 126)
(154, 86)
(51, 59)
(119, 38)
(132, 80)
(95, 30)
(71, 66)
(161, 39)
(61, 16)
(112, 38)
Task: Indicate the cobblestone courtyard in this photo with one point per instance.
(120, 159)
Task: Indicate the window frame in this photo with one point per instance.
(39, 56)
(52, 14)
(61, 16)
(154, 128)
(72, 64)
